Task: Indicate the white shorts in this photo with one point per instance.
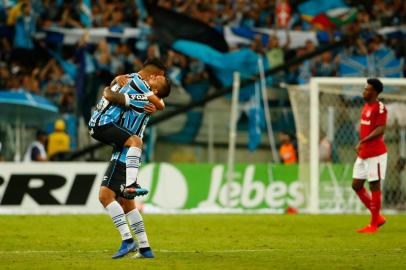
(371, 169)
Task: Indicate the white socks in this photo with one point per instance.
(132, 162)
(137, 225)
(117, 215)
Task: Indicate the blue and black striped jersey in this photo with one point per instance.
(136, 91)
(135, 119)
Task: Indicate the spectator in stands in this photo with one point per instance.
(276, 55)
(196, 72)
(67, 103)
(324, 66)
(324, 148)
(58, 141)
(176, 64)
(24, 29)
(97, 15)
(30, 81)
(69, 16)
(145, 37)
(287, 151)
(36, 150)
(4, 76)
(257, 46)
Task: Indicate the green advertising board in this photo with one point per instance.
(254, 187)
(204, 186)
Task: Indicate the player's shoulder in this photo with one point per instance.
(380, 106)
(138, 83)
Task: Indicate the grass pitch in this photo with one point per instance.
(204, 242)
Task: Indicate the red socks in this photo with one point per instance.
(376, 203)
(365, 198)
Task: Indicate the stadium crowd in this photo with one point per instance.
(30, 63)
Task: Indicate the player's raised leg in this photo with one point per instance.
(133, 163)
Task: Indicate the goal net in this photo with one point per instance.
(327, 114)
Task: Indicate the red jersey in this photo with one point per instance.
(372, 116)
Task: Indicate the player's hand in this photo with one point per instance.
(150, 108)
(357, 147)
(122, 79)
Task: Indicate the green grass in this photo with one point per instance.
(204, 242)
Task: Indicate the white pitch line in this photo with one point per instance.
(52, 251)
(155, 250)
(216, 251)
(191, 251)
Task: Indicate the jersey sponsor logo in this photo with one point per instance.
(365, 122)
(138, 97)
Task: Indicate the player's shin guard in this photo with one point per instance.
(376, 203)
(117, 215)
(137, 225)
(365, 197)
(133, 162)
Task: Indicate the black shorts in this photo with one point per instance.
(111, 134)
(114, 178)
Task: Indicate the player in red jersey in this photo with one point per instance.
(371, 150)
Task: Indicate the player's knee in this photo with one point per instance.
(134, 141)
(105, 199)
(356, 186)
(127, 205)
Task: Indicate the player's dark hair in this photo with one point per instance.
(155, 62)
(40, 133)
(165, 90)
(376, 84)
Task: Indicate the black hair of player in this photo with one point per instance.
(376, 84)
(156, 62)
(40, 133)
(165, 90)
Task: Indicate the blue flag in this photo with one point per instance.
(256, 119)
(86, 13)
(315, 7)
(244, 61)
(382, 63)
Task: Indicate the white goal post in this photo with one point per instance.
(332, 106)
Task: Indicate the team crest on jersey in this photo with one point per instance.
(368, 114)
(138, 97)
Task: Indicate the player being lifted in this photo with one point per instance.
(106, 123)
(372, 154)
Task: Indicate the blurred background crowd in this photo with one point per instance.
(71, 75)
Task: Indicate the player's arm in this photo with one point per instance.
(151, 108)
(114, 97)
(124, 100)
(378, 131)
(122, 79)
(157, 101)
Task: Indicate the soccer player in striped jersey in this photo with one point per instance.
(114, 183)
(104, 123)
(371, 154)
(116, 175)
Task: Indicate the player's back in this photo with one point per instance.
(135, 119)
(107, 112)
